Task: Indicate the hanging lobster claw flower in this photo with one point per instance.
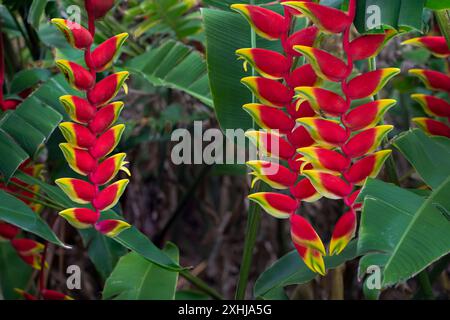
(10, 104)
(327, 19)
(313, 259)
(107, 142)
(34, 261)
(278, 205)
(320, 99)
(107, 89)
(8, 231)
(366, 141)
(78, 191)
(98, 8)
(269, 64)
(303, 234)
(328, 185)
(269, 92)
(271, 143)
(266, 23)
(104, 55)
(106, 117)
(77, 76)
(274, 174)
(25, 295)
(78, 159)
(80, 218)
(432, 105)
(325, 65)
(54, 295)
(269, 117)
(298, 163)
(112, 228)
(77, 36)
(370, 83)
(367, 115)
(300, 109)
(109, 196)
(108, 169)
(327, 133)
(303, 76)
(433, 127)
(350, 201)
(77, 135)
(27, 247)
(369, 45)
(79, 110)
(433, 80)
(435, 44)
(367, 167)
(305, 191)
(305, 37)
(344, 231)
(325, 159)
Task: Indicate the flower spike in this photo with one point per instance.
(344, 231)
(437, 45)
(328, 185)
(367, 115)
(323, 100)
(276, 204)
(269, 92)
(366, 141)
(269, 64)
(107, 142)
(104, 55)
(108, 169)
(269, 117)
(370, 83)
(108, 88)
(367, 167)
(432, 105)
(433, 127)
(328, 133)
(106, 117)
(433, 80)
(109, 196)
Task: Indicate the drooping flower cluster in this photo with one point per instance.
(327, 149)
(433, 105)
(92, 135)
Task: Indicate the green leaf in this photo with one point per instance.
(175, 65)
(26, 79)
(36, 12)
(430, 156)
(14, 273)
(410, 231)
(290, 269)
(17, 213)
(135, 278)
(437, 4)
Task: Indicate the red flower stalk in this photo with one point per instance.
(436, 108)
(330, 149)
(92, 136)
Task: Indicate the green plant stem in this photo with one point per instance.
(390, 162)
(200, 284)
(425, 285)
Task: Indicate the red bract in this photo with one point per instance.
(321, 152)
(98, 8)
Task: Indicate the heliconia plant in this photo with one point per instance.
(92, 135)
(329, 148)
(437, 108)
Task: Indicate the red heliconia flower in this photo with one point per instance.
(322, 100)
(437, 45)
(54, 295)
(106, 117)
(77, 76)
(98, 8)
(27, 247)
(274, 174)
(271, 143)
(10, 104)
(300, 138)
(328, 133)
(367, 115)
(266, 23)
(325, 65)
(350, 201)
(433, 106)
(276, 204)
(34, 261)
(80, 218)
(305, 191)
(344, 231)
(269, 92)
(305, 37)
(269, 117)
(367, 167)
(325, 159)
(78, 191)
(104, 55)
(79, 109)
(433, 127)
(297, 163)
(329, 185)
(109, 196)
(111, 228)
(108, 169)
(76, 35)
(77, 135)
(313, 259)
(327, 19)
(366, 141)
(107, 89)
(25, 295)
(8, 231)
(300, 109)
(81, 161)
(369, 45)
(107, 142)
(303, 76)
(433, 80)
(269, 64)
(368, 84)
